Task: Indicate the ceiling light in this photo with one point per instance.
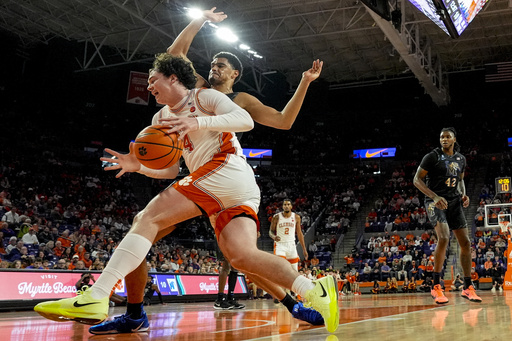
(194, 13)
(226, 34)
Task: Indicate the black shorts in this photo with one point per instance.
(453, 215)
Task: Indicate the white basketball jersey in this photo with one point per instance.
(200, 146)
(285, 228)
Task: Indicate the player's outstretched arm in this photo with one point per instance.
(182, 43)
(281, 119)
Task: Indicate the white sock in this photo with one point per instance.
(301, 285)
(129, 254)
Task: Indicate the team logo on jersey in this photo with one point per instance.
(185, 181)
(192, 109)
(430, 208)
(452, 168)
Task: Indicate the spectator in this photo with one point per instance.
(12, 217)
(497, 278)
(458, 283)
(312, 248)
(30, 237)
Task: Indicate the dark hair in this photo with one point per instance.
(236, 64)
(285, 200)
(454, 132)
(171, 65)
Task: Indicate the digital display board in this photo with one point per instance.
(47, 284)
(452, 16)
(374, 153)
(258, 153)
(510, 141)
(503, 185)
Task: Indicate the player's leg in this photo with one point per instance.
(166, 209)
(468, 291)
(135, 319)
(249, 259)
(297, 309)
(443, 237)
(221, 303)
(437, 218)
(232, 279)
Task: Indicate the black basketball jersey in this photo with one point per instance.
(232, 97)
(444, 172)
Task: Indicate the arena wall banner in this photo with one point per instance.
(137, 88)
(206, 285)
(46, 284)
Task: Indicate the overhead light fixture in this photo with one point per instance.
(194, 13)
(226, 34)
(244, 47)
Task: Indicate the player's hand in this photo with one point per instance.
(277, 238)
(465, 201)
(125, 162)
(305, 255)
(313, 73)
(440, 202)
(214, 17)
(180, 125)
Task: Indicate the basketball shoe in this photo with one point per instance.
(307, 314)
(470, 294)
(81, 308)
(324, 299)
(234, 303)
(438, 295)
(222, 304)
(122, 324)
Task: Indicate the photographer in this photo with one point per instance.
(85, 280)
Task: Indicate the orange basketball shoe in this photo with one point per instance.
(470, 294)
(438, 295)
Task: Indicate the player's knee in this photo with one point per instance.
(443, 241)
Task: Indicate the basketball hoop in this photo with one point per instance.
(504, 226)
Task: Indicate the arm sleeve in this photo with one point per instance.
(428, 161)
(227, 116)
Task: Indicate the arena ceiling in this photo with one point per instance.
(289, 34)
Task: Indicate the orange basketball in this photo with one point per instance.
(156, 149)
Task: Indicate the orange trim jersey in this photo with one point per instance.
(220, 181)
(285, 227)
(201, 145)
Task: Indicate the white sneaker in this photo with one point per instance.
(501, 289)
(493, 290)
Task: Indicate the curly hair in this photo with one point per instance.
(236, 64)
(170, 65)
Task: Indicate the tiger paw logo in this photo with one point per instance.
(143, 151)
(185, 181)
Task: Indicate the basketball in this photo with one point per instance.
(156, 149)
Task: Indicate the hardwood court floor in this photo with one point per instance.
(395, 317)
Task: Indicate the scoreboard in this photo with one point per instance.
(503, 185)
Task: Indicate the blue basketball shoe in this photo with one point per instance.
(309, 315)
(122, 324)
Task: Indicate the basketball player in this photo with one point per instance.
(443, 169)
(220, 182)
(283, 228)
(225, 72)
